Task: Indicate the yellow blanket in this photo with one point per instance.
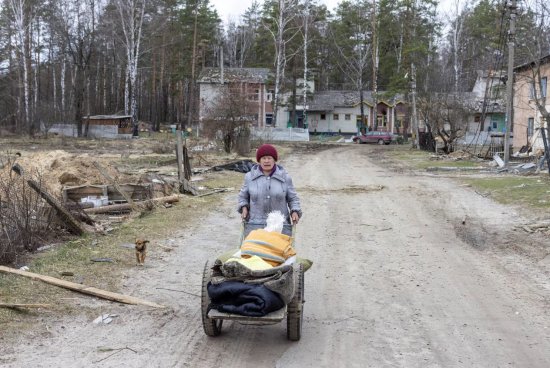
(272, 247)
(254, 263)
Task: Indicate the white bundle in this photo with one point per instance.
(275, 221)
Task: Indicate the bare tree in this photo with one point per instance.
(283, 33)
(445, 115)
(131, 17)
(228, 118)
(20, 10)
(457, 28)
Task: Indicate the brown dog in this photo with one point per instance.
(141, 250)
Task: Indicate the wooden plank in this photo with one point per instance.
(213, 192)
(72, 224)
(11, 305)
(81, 288)
(273, 317)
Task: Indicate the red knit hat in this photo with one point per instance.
(266, 150)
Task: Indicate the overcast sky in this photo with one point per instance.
(234, 8)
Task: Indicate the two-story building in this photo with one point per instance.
(251, 81)
(530, 82)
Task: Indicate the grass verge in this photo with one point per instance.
(75, 256)
(418, 159)
(531, 192)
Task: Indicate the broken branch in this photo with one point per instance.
(81, 288)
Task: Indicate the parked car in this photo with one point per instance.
(374, 137)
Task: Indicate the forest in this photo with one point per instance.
(63, 60)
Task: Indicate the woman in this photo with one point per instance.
(268, 187)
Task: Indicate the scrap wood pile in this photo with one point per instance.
(48, 174)
(78, 191)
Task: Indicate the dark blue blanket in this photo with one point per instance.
(254, 300)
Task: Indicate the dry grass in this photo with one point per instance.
(75, 256)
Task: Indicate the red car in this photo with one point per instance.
(374, 137)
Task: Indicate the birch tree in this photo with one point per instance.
(20, 12)
(131, 17)
(457, 28)
(283, 31)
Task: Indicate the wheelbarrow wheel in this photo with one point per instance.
(295, 309)
(212, 327)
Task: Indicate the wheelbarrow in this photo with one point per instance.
(212, 320)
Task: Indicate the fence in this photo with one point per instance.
(281, 134)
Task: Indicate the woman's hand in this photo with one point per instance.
(295, 217)
(244, 213)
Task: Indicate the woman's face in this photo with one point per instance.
(267, 163)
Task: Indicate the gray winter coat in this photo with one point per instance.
(263, 194)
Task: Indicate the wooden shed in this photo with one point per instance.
(116, 124)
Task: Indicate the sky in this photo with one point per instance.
(232, 9)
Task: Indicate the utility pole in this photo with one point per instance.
(512, 6)
(191, 91)
(415, 142)
(375, 61)
(306, 40)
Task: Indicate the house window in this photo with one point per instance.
(497, 91)
(543, 86)
(399, 122)
(270, 94)
(268, 119)
(254, 96)
(530, 126)
(477, 119)
(323, 116)
(347, 117)
(335, 116)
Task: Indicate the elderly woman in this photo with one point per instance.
(268, 187)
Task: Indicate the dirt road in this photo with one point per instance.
(398, 281)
